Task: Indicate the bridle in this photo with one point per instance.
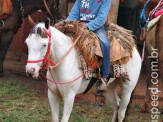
(48, 10)
(46, 63)
(46, 6)
(46, 60)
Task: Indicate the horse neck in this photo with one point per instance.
(27, 7)
(30, 6)
(60, 45)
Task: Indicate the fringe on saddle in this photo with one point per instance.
(88, 46)
(121, 43)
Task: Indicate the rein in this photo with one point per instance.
(143, 15)
(55, 82)
(47, 8)
(46, 60)
(61, 60)
(71, 80)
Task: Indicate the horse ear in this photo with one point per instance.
(31, 21)
(47, 23)
(39, 31)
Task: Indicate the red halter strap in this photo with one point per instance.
(46, 60)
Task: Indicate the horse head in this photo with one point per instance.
(38, 43)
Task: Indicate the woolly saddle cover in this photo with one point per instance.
(121, 43)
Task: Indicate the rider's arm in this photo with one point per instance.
(75, 11)
(101, 16)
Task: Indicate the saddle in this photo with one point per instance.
(154, 17)
(5, 8)
(148, 27)
(158, 10)
(88, 46)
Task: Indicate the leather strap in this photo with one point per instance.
(46, 6)
(61, 60)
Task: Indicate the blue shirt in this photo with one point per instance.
(94, 12)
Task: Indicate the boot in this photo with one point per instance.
(101, 85)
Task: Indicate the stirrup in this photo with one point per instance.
(101, 86)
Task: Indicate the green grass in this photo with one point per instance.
(20, 103)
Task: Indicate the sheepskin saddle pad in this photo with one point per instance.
(88, 46)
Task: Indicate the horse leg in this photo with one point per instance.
(113, 98)
(5, 41)
(53, 98)
(126, 89)
(54, 105)
(68, 105)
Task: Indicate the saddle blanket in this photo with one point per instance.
(88, 46)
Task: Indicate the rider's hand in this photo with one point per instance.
(83, 25)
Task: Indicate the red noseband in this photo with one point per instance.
(46, 60)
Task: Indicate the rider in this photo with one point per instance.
(94, 13)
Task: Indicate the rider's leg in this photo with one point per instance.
(105, 47)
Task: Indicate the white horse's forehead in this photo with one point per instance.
(33, 35)
(35, 40)
(32, 39)
(41, 25)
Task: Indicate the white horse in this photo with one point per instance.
(68, 70)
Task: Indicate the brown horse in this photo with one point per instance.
(10, 24)
(154, 40)
(154, 58)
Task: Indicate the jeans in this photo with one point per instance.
(105, 47)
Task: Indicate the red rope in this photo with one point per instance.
(53, 81)
(35, 61)
(49, 87)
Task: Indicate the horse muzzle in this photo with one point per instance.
(32, 72)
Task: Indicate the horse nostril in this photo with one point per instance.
(29, 74)
(33, 70)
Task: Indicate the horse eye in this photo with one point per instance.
(44, 45)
